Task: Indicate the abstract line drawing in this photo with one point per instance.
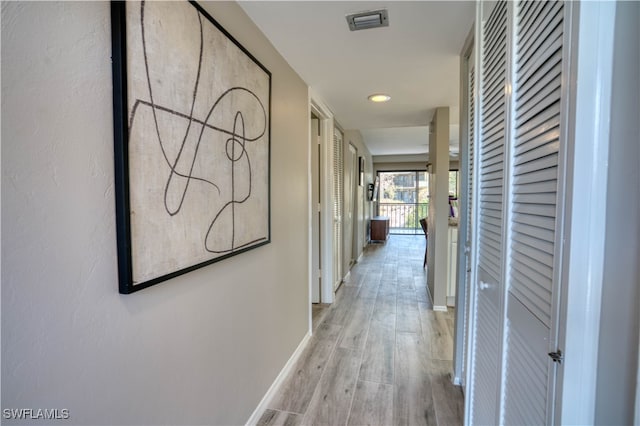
(192, 142)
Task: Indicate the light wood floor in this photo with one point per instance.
(379, 355)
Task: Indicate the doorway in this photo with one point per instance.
(321, 216)
(316, 214)
(351, 167)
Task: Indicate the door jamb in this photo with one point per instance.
(464, 255)
(585, 217)
(320, 109)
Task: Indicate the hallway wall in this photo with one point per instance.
(202, 348)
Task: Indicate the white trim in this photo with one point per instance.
(288, 367)
(464, 246)
(326, 151)
(439, 308)
(310, 217)
(583, 259)
(475, 219)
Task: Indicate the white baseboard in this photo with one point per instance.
(440, 308)
(266, 399)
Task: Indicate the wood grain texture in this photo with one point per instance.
(372, 404)
(412, 397)
(437, 332)
(355, 330)
(379, 355)
(448, 399)
(408, 318)
(296, 392)
(279, 418)
(332, 399)
(339, 312)
(318, 312)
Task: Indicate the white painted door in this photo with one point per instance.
(489, 287)
(534, 240)
(468, 237)
(338, 185)
(316, 280)
(520, 189)
(349, 204)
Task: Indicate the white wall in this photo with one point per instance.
(618, 349)
(438, 217)
(200, 349)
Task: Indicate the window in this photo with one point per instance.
(454, 177)
(404, 198)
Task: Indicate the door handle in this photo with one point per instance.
(484, 285)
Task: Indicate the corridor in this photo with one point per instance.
(379, 355)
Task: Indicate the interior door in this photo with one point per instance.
(534, 238)
(316, 276)
(467, 238)
(338, 181)
(349, 204)
(486, 345)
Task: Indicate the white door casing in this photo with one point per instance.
(324, 114)
(316, 179)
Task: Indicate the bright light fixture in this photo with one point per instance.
(379, 97)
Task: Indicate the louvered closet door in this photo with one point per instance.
(530, 373)
(486, 344)
(471, 87)
(337, 208)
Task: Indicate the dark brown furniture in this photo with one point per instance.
(379, 228)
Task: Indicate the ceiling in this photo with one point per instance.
(415, 60)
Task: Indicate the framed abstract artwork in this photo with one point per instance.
(192, 142)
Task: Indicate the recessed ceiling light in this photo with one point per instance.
(379, 97)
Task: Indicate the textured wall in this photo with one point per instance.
(200, 349)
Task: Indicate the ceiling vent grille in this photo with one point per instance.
(369, 19)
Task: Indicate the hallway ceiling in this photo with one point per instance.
(415, 60)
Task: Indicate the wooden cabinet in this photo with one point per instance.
(379, 228)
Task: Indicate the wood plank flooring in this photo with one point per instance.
(379, 355)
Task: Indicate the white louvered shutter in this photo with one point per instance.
(338, 179)
(534, 194)
(490, 160)
(471, 87)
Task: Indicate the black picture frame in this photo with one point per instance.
(192, 126)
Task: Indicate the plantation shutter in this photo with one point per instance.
(338, 179)
(471, 85)
(534, 189)
(486, 344)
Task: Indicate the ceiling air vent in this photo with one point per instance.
(369, 19)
